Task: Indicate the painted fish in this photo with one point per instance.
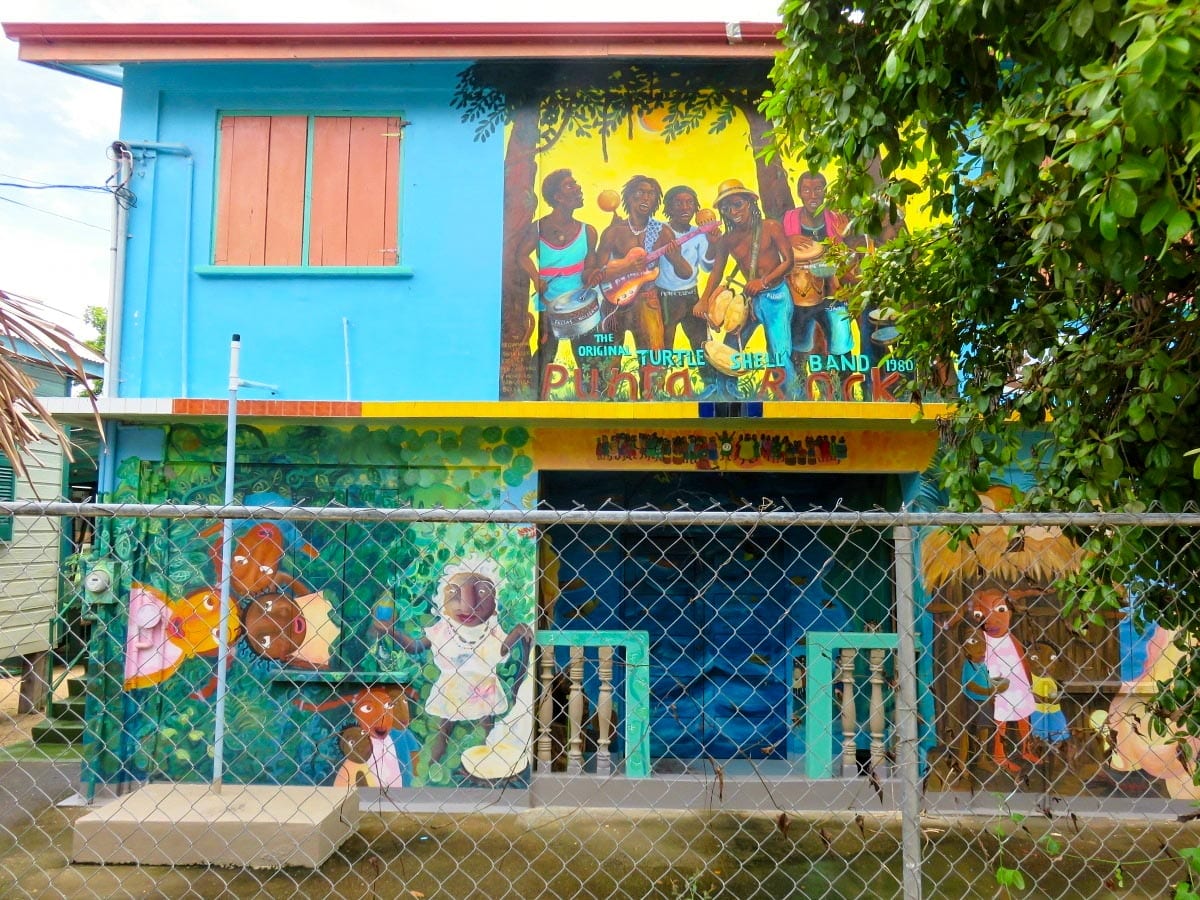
(163, 633)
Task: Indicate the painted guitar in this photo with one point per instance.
(624, 288)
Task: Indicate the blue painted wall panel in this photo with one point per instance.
(434, 336)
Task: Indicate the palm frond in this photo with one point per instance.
(20, 408)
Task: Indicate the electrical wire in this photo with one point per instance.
(51, 187)
(22, 178)
(49, 213)
(121, 191)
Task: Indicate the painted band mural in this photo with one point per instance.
(653, 253)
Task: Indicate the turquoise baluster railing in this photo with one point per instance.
(818, 691)
(636, 718)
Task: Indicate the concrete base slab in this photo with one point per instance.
(255, 826)
(488, 801)
(692, 791)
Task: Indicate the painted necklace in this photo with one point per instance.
(469, 643)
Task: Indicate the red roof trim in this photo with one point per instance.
(113, 42)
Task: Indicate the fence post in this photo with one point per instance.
(218, 775)
(907, 757)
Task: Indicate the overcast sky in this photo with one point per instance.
(56, 128)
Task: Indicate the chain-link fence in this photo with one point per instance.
(593, 702)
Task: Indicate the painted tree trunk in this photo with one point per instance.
(773, 187)
(518, 375)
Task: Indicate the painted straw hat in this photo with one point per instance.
(729, 188)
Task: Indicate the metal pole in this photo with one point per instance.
(907, 757)
(122, 173)
(235, 348)
(346, 352)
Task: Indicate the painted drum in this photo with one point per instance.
(805, 287)
(805, 249)
(719, 355)
(575, 314)
(885, 336)
(883, 315)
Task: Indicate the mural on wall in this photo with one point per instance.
(163, 633)
(999, 584)
(1078, 695)
(380, 750)
(467, 647)
(1144, 755)
(386, 654)
(667, 258)
(707, 451)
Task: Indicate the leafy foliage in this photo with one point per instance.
(599, 99)
(1058, 142)
(96, 317)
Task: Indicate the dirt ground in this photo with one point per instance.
(14, 728)
(579, 853)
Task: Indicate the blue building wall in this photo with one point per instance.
(430, 335)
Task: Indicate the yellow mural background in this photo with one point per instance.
(700, 159)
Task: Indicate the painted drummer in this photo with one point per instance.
(553, 252)
(764, 256)
(810, 228)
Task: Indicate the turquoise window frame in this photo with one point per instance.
(636, 715)
(819, 710)
(8, 491)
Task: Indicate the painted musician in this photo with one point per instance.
(553, 252)
(631, 299)
(677, 290)
(763, 254)
(812, 227)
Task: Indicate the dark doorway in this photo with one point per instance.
(723, 606)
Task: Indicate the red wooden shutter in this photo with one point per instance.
(353, 207)
(285, 191)
(355, 177)
(260, 190)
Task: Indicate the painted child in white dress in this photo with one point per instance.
(468, 645)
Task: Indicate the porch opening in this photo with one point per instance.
(726, 608)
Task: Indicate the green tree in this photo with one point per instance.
(1058, 144)
(96, 318)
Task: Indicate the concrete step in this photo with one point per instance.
(53, 731)
(69, 709)
(76, 687)
(245, 826)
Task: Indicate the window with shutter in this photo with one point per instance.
(308, 191)
(8, 491)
